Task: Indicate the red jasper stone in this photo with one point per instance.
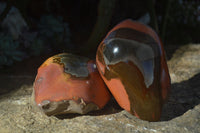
(131, 61)
(67, 83)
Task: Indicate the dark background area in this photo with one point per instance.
(77, 26)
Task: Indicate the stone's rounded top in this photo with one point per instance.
(137, 26)
(73, 64)
(67, 83)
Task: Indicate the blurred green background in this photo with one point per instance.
(35, 28)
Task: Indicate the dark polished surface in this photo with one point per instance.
(133, 60)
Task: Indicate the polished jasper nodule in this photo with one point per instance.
(67, 83)
(132, 63)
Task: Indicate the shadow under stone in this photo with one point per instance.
(10, 83)
(19, 74)
(170, 49)
(183, 97)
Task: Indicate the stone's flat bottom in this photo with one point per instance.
(180, 114)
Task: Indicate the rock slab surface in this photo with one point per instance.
(181, 114)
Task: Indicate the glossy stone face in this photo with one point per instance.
(132, 63)
(67, 83)
(116, 50)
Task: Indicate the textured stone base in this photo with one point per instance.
(181, 114)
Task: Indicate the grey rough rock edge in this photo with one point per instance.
(17, 114)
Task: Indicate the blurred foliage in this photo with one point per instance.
(52, 34)
(183, 24)
(32, 44)
(9, 50)
(54, 31)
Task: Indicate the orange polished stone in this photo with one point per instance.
(67, 83)
(131, 61)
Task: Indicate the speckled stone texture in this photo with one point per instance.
(181, 114)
